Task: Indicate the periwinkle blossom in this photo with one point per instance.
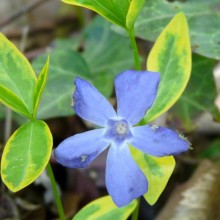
(135, 93)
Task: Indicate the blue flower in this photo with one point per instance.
(135, 92)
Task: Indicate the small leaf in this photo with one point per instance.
(114, 11)
(26, 154)
(17, 78)
(11, 100)
(41, 83)
(171, 57)
(105, 209)
(157, 171)
(134, 10)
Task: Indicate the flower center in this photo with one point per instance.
(121, 128)
(117, 131)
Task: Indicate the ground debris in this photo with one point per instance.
(198, 199)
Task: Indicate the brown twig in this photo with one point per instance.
(21, 12)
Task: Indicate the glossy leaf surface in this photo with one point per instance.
(17, 79)
(133, 12)
(40, 85)
(26, 154)
(105, 209)
(171, 57)
(122, 13)
(11, 100)
(114, 11)
(157, 171)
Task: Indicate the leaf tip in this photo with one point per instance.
(181, 18)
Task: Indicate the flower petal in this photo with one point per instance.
(124, 179)
(81, 149)
(136, 92)
(90, 104)
(158, 141)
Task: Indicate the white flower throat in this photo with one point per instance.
(117, 131)
(121, 128)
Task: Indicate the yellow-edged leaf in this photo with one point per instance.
(26, 154)
(157, 171)
(113, 10)
(17, 76)
(171, 57)
(105, 209)
(40, 85)
(134, 10)
(8, 98)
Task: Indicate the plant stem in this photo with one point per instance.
(55, 192)
(136, 211)
(134, 49)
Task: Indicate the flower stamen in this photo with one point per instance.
(154, 127)
(121, 128)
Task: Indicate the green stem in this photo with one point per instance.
(136, 211)
(134, 49)
(55, 192)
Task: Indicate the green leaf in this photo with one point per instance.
(105, 209)
(11, 100)
(67, 43)
(39, 88)
(203, 17)
(133, 12)
(157, 171)
(17, 79)
(106, 53)
(26, 154)
(65, 65)
(197, 97)
(171, 57)
(113, 10)
(122, 13)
